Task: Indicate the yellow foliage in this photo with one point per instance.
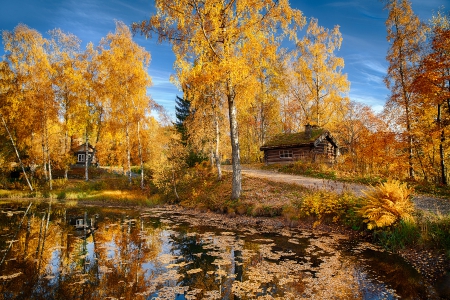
(323, 203)
(388, 203)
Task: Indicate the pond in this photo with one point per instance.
(52, 251)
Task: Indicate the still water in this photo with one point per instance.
(51, 251)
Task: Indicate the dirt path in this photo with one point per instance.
(436, 205)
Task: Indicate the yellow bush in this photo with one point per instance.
(387, 204)
(323, 204)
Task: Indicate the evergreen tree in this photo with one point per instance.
(182, 112)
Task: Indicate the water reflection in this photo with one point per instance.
(60, 252)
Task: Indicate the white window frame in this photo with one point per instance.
(81, 157)
(286, 153)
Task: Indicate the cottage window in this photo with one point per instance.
(81, 157)
(285, 153)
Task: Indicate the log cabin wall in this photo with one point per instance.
(307, 153)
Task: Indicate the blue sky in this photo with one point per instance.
(361, 23)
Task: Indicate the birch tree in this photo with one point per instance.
(319, 85)
(67, 83)
(92, 98)
(217, 33)
(34, 105)
(127, 81)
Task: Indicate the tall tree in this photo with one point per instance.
(64, 53)
(182, 112)
(217, 33)
(433, 84)
(185, 114)
(92, 98)
(405, 33)
(127, 82)
(319, 85)
(5, 76)
(34, 106)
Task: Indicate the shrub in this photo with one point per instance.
(61, 195)
(399, 236)
(387, 204)
(324, 204)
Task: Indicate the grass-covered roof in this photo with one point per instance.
(291, 139)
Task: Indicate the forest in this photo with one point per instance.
(247, 70)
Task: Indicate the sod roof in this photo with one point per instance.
(293, 139)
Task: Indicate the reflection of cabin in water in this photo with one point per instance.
(83, 222)
(308, 146)
(80, 155)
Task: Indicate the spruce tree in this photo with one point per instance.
(182, 112)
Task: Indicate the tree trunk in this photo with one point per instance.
(235, 155)
(174, 185)
(47, 153)
(66, 153)
(128, 153)
(216, 152)
(140, 154)
(441, 148)
(17, 153)
(44, 160)
(50, 177)
(86, 158)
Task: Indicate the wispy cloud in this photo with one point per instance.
(376, 104)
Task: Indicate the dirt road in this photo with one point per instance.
(436, 205)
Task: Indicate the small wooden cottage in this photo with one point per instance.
(310, 145)
(80, 155)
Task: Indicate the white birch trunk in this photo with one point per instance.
(47, 153)
(174, 185)
(140, 154)
(216, 152)
(235, 155)
(17, 153)
(86, 157)
(128, 153)
(44, 160)
(66, 151)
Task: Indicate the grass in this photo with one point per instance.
(200, 189)
(103, 187)
(295, 204)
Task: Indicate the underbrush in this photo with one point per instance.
(385, 214)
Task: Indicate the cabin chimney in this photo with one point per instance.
(308, 131)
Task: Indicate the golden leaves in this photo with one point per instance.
(388, 203)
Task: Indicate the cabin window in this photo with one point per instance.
(81, 157)
(285, 153)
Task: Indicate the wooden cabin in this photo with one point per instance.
(80, 155)
(309, 146)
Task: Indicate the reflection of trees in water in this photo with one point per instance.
(51, 260)
(192, 256)
(139, 257)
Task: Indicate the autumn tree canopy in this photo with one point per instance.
(215, 39)
(54, 95)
